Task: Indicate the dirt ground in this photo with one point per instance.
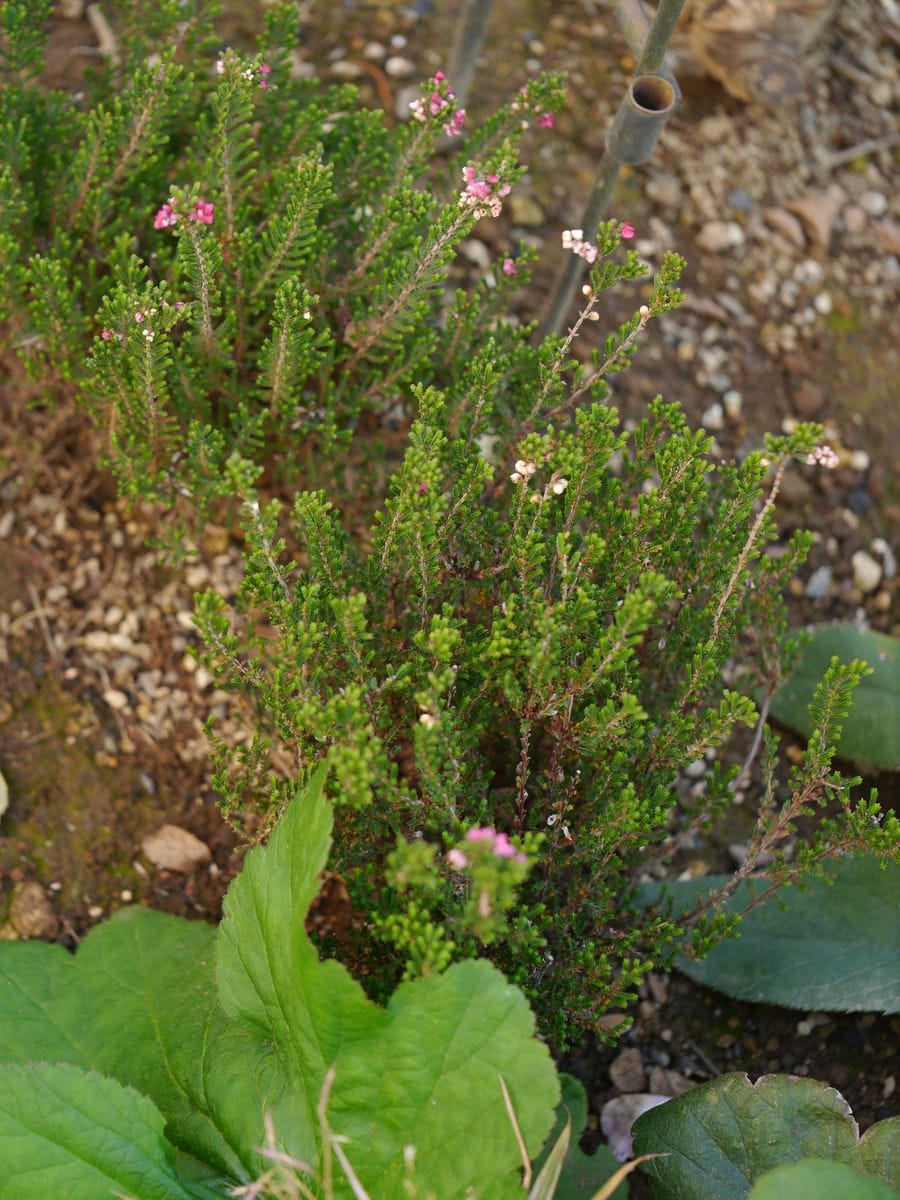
(789, 218)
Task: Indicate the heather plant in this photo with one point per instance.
(506, 623)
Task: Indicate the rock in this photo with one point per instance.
(398, 67)
(866, 571)
(476, 252)
(719, 236)
(874, 203)
(71, 10)
(627, 1071)
(795, 490)
(889, 236)
(819, 583)
(713, 418)
(31, 913)
(854, 219)
(175, 849)
(880, 546)
(786, 224)
(344, 68)
(524, 210)
(808, 398)
(818, 210)
(733, 402)
(374, 51)
(669, 1083)
(617, 1117)
(115, 699)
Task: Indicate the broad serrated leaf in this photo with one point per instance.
(425, 1072)
(138, 1002)
(73, 1133)
(871, 729)
(832, 946)
(818, 1179)
(720, 1138)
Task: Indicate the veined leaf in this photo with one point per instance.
(67, 1132)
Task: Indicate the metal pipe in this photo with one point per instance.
(651, 98)
(644, 110)
(470, 35)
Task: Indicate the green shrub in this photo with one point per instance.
(509, 643)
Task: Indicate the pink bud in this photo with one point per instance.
(626, 230)
(457, 859)
(546, 120)
(509, 267)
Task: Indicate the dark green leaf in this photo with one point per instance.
(818, 1179)
(720, 1138)
(871, 730)
(829, 947)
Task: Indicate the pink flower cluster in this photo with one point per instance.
(545, 120)
(498, 843)
(509, 267)
(823, 456)
(573, 239)
(262, 72)
(438, 102)
(483, 196)
(167, 216)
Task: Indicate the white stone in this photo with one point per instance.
(867, 572)
(717, 236)
(399, 67)
(713, 418)
(733, 402)
(115, 699)
(175, 849)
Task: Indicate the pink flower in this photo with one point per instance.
(106, 334)
(436, 103)
(454, 126)
(165, 217)
(203, 212)
(439, 77)
(483, 196)
(626, 230)
(823, 456)
(220, 66)
(573, 239)
(503, 847)
(457, 859)
(417, 108)
(487, 834)
(546, 120)
(509, 267)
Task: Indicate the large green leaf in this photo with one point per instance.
(138, 1002)
(871, 729)
(818, 1179)
(720, 1138)
(425, 1072)
(832, 946)
(73, 1133)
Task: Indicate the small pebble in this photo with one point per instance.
(627, 1070)
(398, 67)
(874, 203)
(718, 236)
(115, 699)
(713, 418)
(175, 849)
(819, 583)
(888, 559)
(854, 219)
(867, 572)
(859, 460)
(733, 402)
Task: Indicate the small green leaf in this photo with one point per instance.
(832, 946)
(720, 1138)
(871, 729)
(819, 1179)
(67, 1132)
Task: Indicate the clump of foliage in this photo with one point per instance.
(510, 646)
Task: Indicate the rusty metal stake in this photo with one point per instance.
(651, 97)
